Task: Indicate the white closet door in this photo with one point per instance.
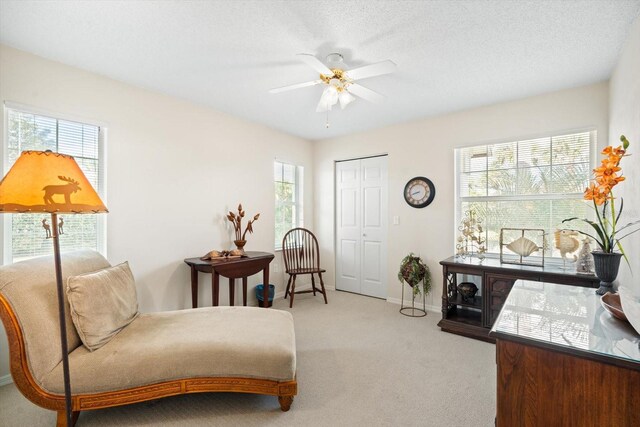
(374, 226)
(361, 226)
(348, 225)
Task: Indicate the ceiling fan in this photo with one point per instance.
(340, 84)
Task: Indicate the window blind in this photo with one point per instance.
(288, 199)
(28, 131)
(534, 183)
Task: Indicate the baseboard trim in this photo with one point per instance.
(6, 379)
(407, 302)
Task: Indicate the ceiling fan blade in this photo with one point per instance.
(296, 86)
(315, 63)
(372, 70)
(365, 93)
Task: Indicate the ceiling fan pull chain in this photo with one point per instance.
(327, 123)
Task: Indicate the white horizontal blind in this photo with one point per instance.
(533, 183)
(28, 131)
(288, 203)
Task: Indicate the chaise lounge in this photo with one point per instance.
(214, 349)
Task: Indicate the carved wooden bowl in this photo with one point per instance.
(611, 303)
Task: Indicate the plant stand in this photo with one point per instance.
(415, 311)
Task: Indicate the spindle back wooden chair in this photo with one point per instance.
(302, 256)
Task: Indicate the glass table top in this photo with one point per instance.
(571, 317)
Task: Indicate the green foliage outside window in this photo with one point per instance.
(526, 184)
(288, 213)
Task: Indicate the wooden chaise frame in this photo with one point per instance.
(285, 390)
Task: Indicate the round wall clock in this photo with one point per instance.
(419, 192)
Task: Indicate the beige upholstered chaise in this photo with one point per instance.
(232, 349)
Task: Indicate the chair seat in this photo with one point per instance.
(306, 270)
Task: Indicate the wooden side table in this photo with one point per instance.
(235, 268)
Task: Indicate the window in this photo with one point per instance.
(288, 185)
(534, 183)
(24, 235)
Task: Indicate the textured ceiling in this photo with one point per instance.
(451, 55)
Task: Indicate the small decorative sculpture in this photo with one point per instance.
(47, 228)
(235, 253)
(236, 220)
(567, 243)
(523, 246)
(61, 226)
(471, 238)
(585, 263)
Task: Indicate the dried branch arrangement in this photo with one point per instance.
(236, 220)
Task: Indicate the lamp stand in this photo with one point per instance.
(63, 322)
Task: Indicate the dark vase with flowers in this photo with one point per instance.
(606, 265)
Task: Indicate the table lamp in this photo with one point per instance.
(53, 183)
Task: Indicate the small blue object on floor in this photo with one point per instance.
(260, 294)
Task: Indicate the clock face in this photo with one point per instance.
(419, 192)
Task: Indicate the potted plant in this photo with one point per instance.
(608, 233)
(413, 271)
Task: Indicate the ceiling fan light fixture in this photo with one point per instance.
(345, 98)
(322, 106)
(337, 84)
(327, 100)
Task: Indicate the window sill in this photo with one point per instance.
(548, 260)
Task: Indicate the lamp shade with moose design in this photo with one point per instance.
(44, 181)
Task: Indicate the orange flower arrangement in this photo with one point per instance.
(600, 191)
(606, 176)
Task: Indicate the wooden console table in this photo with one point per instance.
(564, 361)
(475, 317)
(234, 268)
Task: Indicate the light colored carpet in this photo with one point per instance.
(360, 362)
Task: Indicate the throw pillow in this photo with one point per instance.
(102, 303)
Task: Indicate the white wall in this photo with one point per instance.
(426, 148)
(624, 118)
(173, 170)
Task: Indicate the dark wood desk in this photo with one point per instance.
(235, 268)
